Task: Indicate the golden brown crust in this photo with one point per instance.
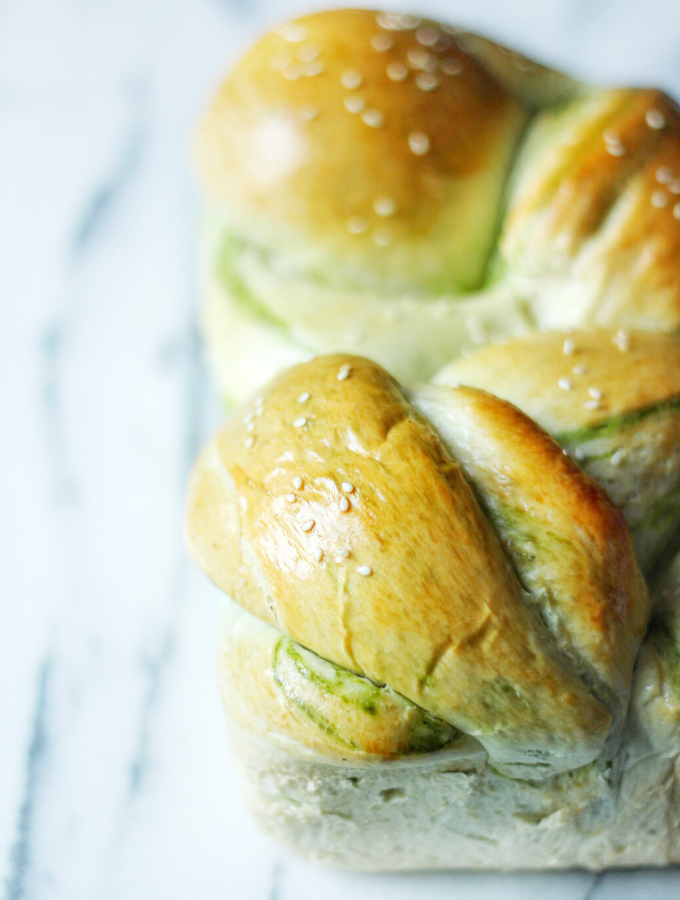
(597, 199)
(568, 542)
(604, 372)
(404, 189)
(439, 615)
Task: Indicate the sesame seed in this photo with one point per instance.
(613, 143)
(421, 59)
(290, 498)
(615, 148)
(293, 72)
(617, 457)
(306, 54)
(621, 339)
(318, 554)
(397, 71)
(568, 347)
(427, 35)
(426, 81)
(314, 68)
(408, 23)
(250, 426)
(388, 21)
(356, 225)
(381, 237)
(663, 175)
(300, 422)
(384, 206)
(258, 401)
(364, 570)
(345, 554)
(659, 199)
(293, 33)
(248, 418)
(419, 143)
(344, 504)
(279, 61)
(354, 103)
(309, 113)
(655, 119)
(303, 398)
(347, 487)
(373, 118)
(592, 404)
(676, 211)
(564, 383)
(451, 66)
(579, 370)
(674, 186)
(248, 443)
(297, 482)
(381, 42)
(595, 393)
(308, 525)
(343, 374)
(351, 79)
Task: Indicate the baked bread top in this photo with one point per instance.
(611, 399)
(339, 140)
(364, 150)
(595, 207)
(396, 547)
(567, 380)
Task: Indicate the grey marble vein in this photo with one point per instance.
(65, 483)
(154, 666)
(105, 194)
(244, 8)
(274, 893)
(35, 759)
(96, 208)
(594, 886)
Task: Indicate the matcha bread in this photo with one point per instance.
(433, 624)
(393, 186)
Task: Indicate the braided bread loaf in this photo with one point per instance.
(392, 186)
(428, 578)
(433, 653)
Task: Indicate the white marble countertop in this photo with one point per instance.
(115, 774)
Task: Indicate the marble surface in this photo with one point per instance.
(115, 774)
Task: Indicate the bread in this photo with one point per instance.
(437, 619)
(612, 400)
(393, 186)
(436, 648)
(451, 809)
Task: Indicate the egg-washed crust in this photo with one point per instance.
(578, 379)
(427, 601)
(611, 399)
(377, 151)
(567, 541)
(596, 199)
